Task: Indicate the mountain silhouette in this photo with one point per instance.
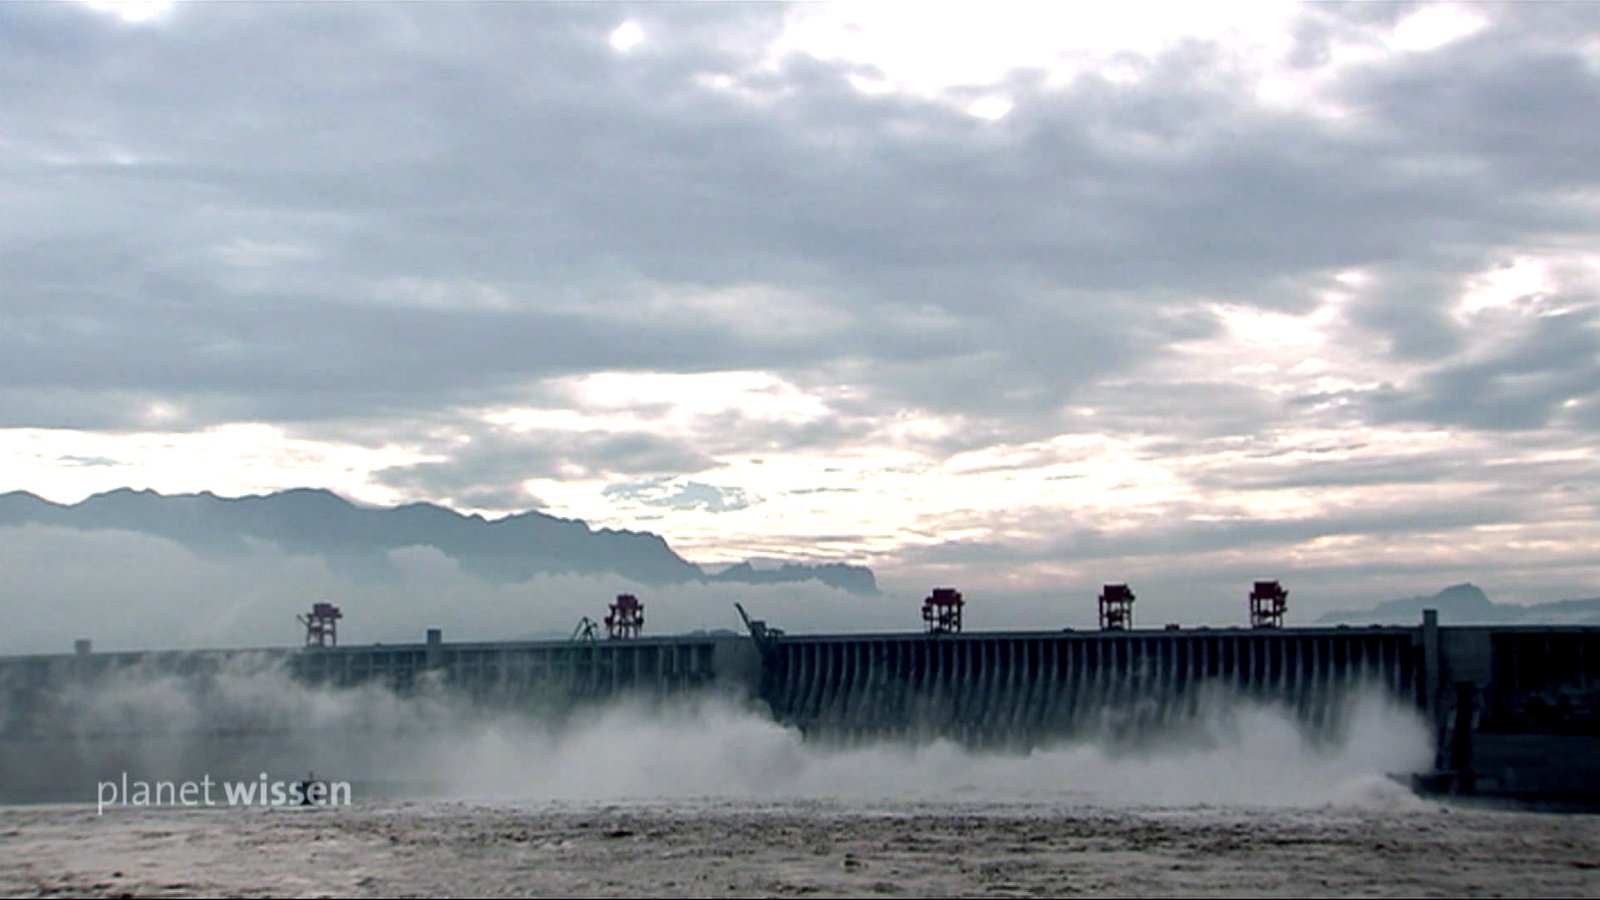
(855, 579)
(1467, 604)
(355, 540)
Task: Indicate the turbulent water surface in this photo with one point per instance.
(708, 798)
(1388, 846)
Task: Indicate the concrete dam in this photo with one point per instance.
(1513, 710)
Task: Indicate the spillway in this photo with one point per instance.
(1024, 689)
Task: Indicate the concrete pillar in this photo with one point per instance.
(738, 663)
(82, 665)
(1429, 670)
(435, 652)
(1460, 761)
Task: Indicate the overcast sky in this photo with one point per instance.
(1020, 299)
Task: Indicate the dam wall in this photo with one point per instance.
(1516, 710)
(79, 693)
(1028, 688)
(1513, 710)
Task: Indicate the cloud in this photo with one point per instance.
(676, 494)
(490, 256)
(88, 461)
(1526, 383)
(484, 458)
(164, 596)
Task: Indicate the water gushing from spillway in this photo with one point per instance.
(1222, 745)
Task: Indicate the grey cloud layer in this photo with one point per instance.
(509, 146)
(312, 213)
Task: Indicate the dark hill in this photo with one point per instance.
(355, 539)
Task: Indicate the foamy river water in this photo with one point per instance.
(710, 799)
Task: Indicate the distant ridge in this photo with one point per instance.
(855, 579)
(355, 540)
(1467, 604)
